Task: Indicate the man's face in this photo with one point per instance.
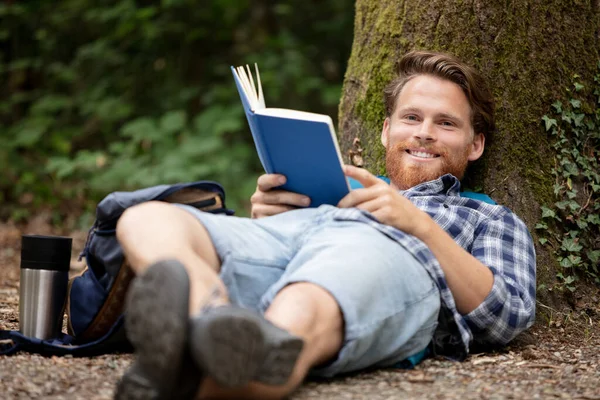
(429, 133)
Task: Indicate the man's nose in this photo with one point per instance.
(425, 131)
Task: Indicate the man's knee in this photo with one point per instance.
(305, 303)
(158, 227)
(136, 219)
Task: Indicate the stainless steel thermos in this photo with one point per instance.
(45, 262)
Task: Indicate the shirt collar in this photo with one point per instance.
(448, 185)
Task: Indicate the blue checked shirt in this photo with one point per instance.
(492, 234)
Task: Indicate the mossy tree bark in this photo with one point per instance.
(528, 50)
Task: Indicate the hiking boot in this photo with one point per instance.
(157, 324)
(235, 346)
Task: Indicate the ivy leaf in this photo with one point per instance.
(578, 119)
(575, 103)
(578, 86)
(566, 263)
(557, 188)
(575, 260)
(594, 219)
(541, 226)
(558, 105)
(548, 213)
(594, 256)
(582, 224)
(549, 122)
(543, 241)
(570, 169)
(562, 205)
(571, 245)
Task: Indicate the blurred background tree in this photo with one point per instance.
(123, 94)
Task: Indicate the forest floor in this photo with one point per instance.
(559, 358)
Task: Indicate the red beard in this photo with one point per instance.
(405, 175)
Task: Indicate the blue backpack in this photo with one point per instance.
(95, 298)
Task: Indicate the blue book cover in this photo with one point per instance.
(300, 145)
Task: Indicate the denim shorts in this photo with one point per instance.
(389, 302)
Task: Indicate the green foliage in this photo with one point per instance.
(571, 226)
(117, 95)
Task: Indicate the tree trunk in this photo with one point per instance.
(528, 50)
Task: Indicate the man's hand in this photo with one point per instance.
(468, 279)
(266, 201)
(383, 202)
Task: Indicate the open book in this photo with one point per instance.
(300, 145)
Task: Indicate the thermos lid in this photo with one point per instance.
(46, 252)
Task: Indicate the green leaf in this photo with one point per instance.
(594, 256)
(30, 131)
(549, 122)
(582, 224)
(547, 213)
(575, 260)
(575, 103)
(173, 121)
(557, 188)
(566, 263)
(140, 129)
(571, 245)
(562, 205)
(574, 206)
(571, 169)
(578, 86)
(557, 106)
(578, 119)
(541, 226)
(543, 241)
(594, 219)
(51, 104)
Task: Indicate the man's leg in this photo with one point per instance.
(156, 231)
(177, 273)
(356, 297)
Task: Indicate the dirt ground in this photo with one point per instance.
(558, 359)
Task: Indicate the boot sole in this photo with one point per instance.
(156, 323)
(235, 346)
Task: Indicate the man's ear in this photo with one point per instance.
(477, 147)
(385, 132)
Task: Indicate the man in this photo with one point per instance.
(246, 308)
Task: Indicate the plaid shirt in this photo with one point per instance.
(493, 235)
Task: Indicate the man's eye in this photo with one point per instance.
(447, 123)
(411, 117)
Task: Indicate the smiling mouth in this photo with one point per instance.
(421, 154)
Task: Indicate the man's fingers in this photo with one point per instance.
(267, 210)
(280, 197)
(358, 196)
(362, 175)
(269, 181)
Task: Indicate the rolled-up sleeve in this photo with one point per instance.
(506, 247)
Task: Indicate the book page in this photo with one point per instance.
(253, 92)
(295, 114)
